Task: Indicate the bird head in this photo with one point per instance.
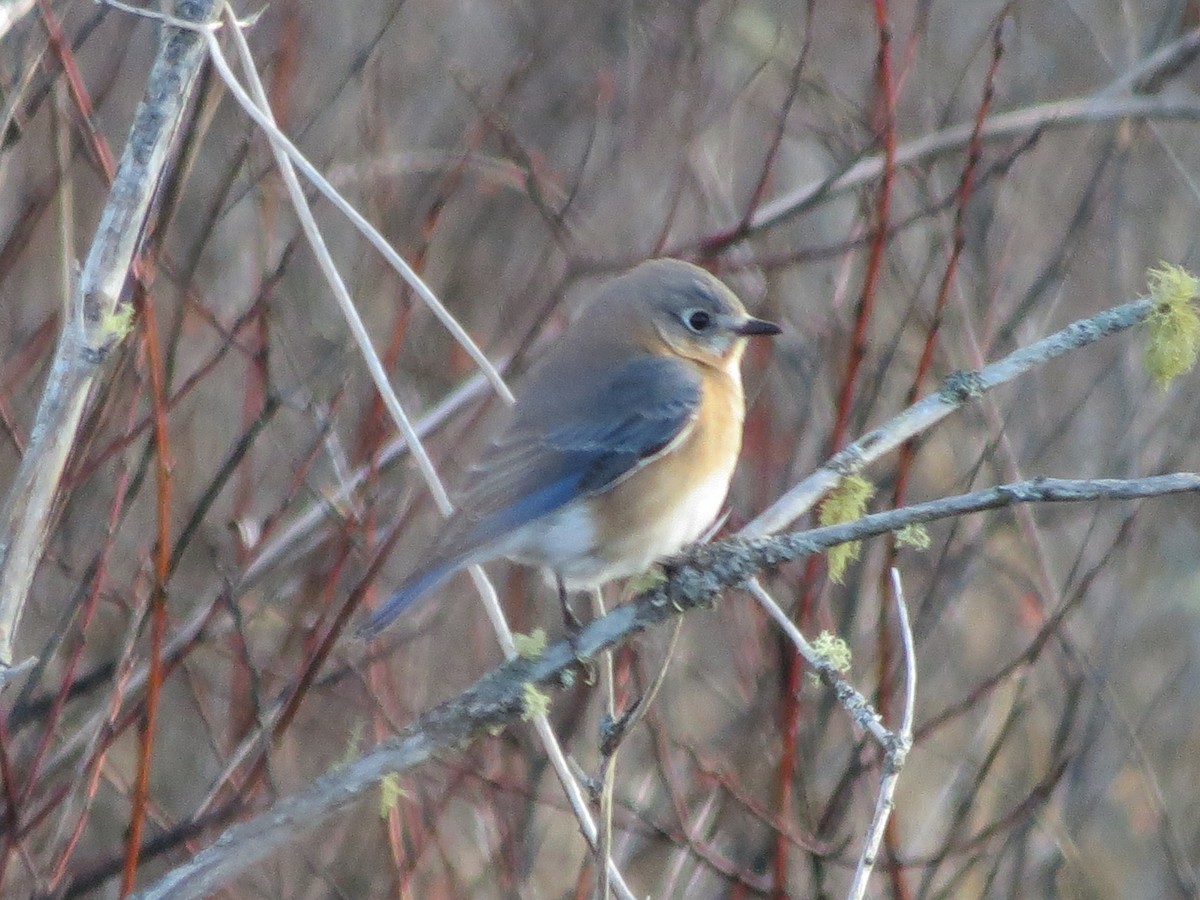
(680, 308)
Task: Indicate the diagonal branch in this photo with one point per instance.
(694, 580)
(958, 389)
(1129, 96)
(98, 319)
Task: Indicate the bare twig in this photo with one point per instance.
(694, 580)
(1124, 98)
(895, 755)
(286, 155)
(257, 110)
(958, 390)
(608, 760)
(632, 716)
(329, 269)
(98, 319)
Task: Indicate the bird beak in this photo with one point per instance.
(751, 327)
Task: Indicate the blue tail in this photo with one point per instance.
(409, 593)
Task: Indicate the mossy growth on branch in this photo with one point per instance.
(834, 650)
(390, 794)
(532, 645)
(845, 503)
(535, 702)
(1174, 323)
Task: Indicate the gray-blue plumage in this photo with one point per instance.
(532, 470)
(622, 388)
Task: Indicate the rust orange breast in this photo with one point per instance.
(672, 501)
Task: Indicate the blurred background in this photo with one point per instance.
(517, 153)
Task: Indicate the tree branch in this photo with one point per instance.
(98, 319)
(695, 579)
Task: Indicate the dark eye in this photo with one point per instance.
(698, 320)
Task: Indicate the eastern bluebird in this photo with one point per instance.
(621, 444)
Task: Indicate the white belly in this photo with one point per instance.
(565, 542)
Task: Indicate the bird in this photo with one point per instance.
(620, 447)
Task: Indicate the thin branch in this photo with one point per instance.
(848, 389)
(694, 580)
(95, 141)
(286, 154)
(607, 779)
(158, 591)
(897, 752)
(1124, 98)
(280, 141)
(333, 277)
(959, 389)
(98, 319)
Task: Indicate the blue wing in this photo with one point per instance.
(569, 438)
(570, 443)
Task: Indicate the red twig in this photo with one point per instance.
(858, 351)
(883, 203)
(965, 187)
(25, 358)
(158, 599)
(715, 243)
(885, 651)
(61, 50)
(12, 805)
(99, 579)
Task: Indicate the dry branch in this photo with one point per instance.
(896, 752)
(498, 699)
(98, 319)
(1129, 96)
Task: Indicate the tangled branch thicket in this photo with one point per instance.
(915, 191)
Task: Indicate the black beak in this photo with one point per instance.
(752, 327)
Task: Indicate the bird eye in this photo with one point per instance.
(697, 320)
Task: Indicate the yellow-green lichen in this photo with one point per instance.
(1174, 324)
(833, 650)
(845, 503)
(914, 536)
(114, 325)
(390, 794)
(536, 702)
(532, 645)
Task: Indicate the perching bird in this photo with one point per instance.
(621, 444)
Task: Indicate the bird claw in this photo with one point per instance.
(586, 666)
